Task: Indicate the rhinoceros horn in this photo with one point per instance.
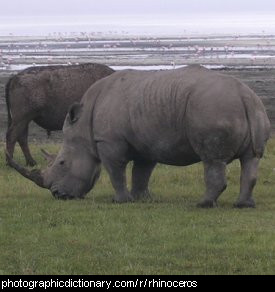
(48, 156)
(34, 175)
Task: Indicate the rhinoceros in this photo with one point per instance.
(43, 94)
(176, 117)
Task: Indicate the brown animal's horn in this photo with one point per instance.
(34, 175)
(48, 156)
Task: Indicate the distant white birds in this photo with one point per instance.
(173, 64)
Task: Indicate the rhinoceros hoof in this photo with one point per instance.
(206, 204)
(124, 199)
(142, 195)
(245, 204)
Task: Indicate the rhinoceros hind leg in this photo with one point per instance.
(249, 168)
(215, 181)
(141, 173)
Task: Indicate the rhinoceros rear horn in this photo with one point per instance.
(34, 175)
(48, 156)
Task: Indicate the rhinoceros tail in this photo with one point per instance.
(258, 122)
(7, 96)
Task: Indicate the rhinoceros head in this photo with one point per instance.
(73, 172)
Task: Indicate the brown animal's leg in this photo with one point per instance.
(249, 168)
(23, 142)
(141, 173)
(112, 159)
(11, 138)
(215, 180)
(10, 141)
(18, 131)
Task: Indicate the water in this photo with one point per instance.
(156, 41)
(20, 67)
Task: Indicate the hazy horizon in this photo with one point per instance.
(32, 17)
(72, 7)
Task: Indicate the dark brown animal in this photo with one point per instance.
(43, 95)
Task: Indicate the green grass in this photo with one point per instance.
(169, 235)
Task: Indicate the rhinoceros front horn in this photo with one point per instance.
(34, 175)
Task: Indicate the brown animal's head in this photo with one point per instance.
(74, 171)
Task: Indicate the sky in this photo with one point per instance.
(34, 17)
(129, 7)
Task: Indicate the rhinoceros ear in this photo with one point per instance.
(74, 112)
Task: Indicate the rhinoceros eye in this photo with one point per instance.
(62, 162)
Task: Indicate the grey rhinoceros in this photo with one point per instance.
(176, 117)
(43, 94)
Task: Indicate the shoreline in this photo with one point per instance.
(129, 50)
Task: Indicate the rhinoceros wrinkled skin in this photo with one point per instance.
(43, 94)
(175, 117)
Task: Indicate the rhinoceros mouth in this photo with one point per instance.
(64, 196)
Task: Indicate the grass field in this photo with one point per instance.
(168, 235)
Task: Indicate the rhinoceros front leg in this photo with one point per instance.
(249, 168)
(112, 159)
(215, 181)
(117, 173)
(141, 173)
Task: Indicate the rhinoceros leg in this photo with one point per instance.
(117, 175)
(112, 159)
(249, 168)
(141, 173)
(215, 181)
